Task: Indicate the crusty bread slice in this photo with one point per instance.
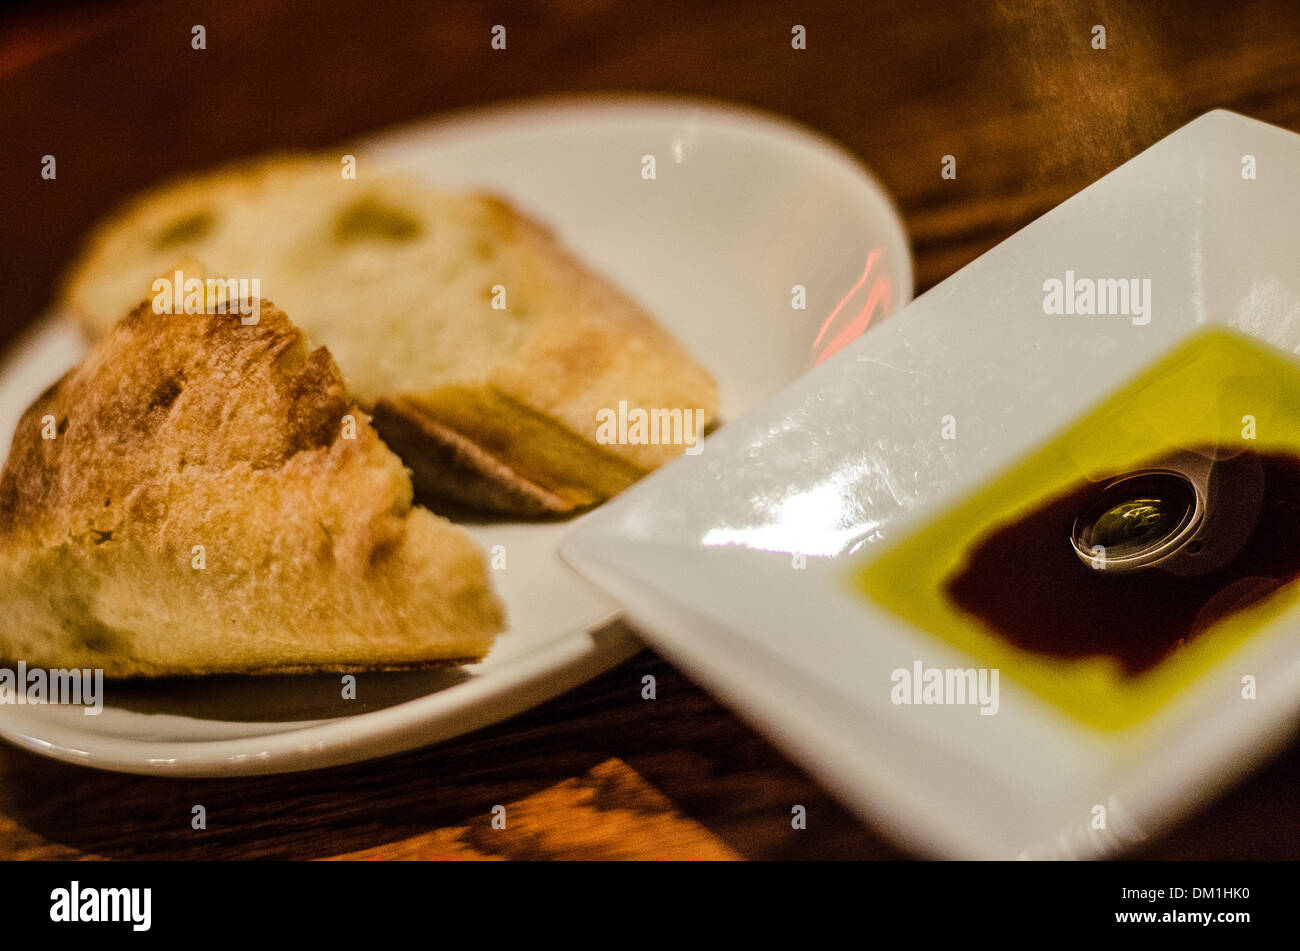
(202, 496)
(485, 350)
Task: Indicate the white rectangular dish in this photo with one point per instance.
(740, 563)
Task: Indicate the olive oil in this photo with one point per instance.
(1007, 574)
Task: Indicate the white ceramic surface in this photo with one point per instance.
(851, 455)
(742, 207)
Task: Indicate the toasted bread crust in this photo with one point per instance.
(446, 464)
(590, 347)
(203, 496)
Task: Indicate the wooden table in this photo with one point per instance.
(1014, 91)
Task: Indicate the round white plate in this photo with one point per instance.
(742, 207)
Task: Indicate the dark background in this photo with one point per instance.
(1013, 90)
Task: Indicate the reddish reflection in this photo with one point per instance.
(879, 298)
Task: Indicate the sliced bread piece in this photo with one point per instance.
(202, 496)
(486, 352)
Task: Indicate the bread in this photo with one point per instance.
(212, 501)
(485, 351)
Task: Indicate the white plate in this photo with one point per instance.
(853, 455)
(743, 206)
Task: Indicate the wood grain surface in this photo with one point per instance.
(1013, 90)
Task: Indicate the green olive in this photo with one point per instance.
(368, 218)
(188, 228)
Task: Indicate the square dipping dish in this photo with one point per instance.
(1017, 572)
